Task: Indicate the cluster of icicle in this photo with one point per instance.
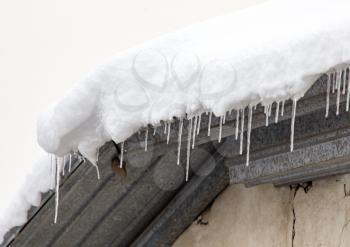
(194, 123)
(59, 164)
(338, 81)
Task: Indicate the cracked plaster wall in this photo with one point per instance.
(310, 215)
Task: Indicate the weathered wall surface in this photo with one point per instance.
(317, 215)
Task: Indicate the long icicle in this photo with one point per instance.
(348, 93)
(70, 163)
(333, 81)
(194, 131)
(209, 122)
(168, 134)
(121, 155)
(250, 116)
(282, 108)
(188, 148)
(154, 130)
(344, 81)
(328, 92)
(277, 111)
(199, 123)
(165, 127)
(242, 132)
(57, 189)
(237, 123)
(179, 141)
(294, 107)
(146, 139)
(266, 110)
(220, 129)
(63, 165)
(338, 84)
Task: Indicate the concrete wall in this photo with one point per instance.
(315, 215)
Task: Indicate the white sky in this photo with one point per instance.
(46, 46)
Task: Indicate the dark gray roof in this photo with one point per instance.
(153, 205)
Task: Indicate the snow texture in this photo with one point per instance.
(264, 54)
(270, 52)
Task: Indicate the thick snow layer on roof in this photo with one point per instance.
(266, 53)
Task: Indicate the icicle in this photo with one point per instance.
(179, 141)
(242, 132)
(294, 107)
(146, 139)
(209, 123)
(63, 165)
(194, 131)
(266, 110)
(250, 116)
(237, 123)
(333, 82)
(165, 127)
(344, 81)
(121, 154)
(348, 93)
(154, 130)
(51, 171)
(327, 98)
(338, 92)
(199, 123)
(270, 109)
(168, 136)
(282, 109)
(188, 148)
(277, 111)
(95, 164)
(57, 189)
(224, 119)
(220, 130)
(70, 163)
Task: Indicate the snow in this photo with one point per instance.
(268, 53)
(14, 206)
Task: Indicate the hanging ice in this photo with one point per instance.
(154, 130)
(199, 123)
(266, 111)
(294, 107)
(338, 83)
(250, 116)
(63, 165)
(179, 141)
(220, 129)
(188, 148)
(70, 163)
(194, 131)
(209, 122)
(168, 136)
(57, 189)
(224, 119)
(242, 132)
(237, 123)
(277, 111)
(146, 138)
(282, 109)
(165, 127)
(121, 154)
(328, 92)
(343, 81)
